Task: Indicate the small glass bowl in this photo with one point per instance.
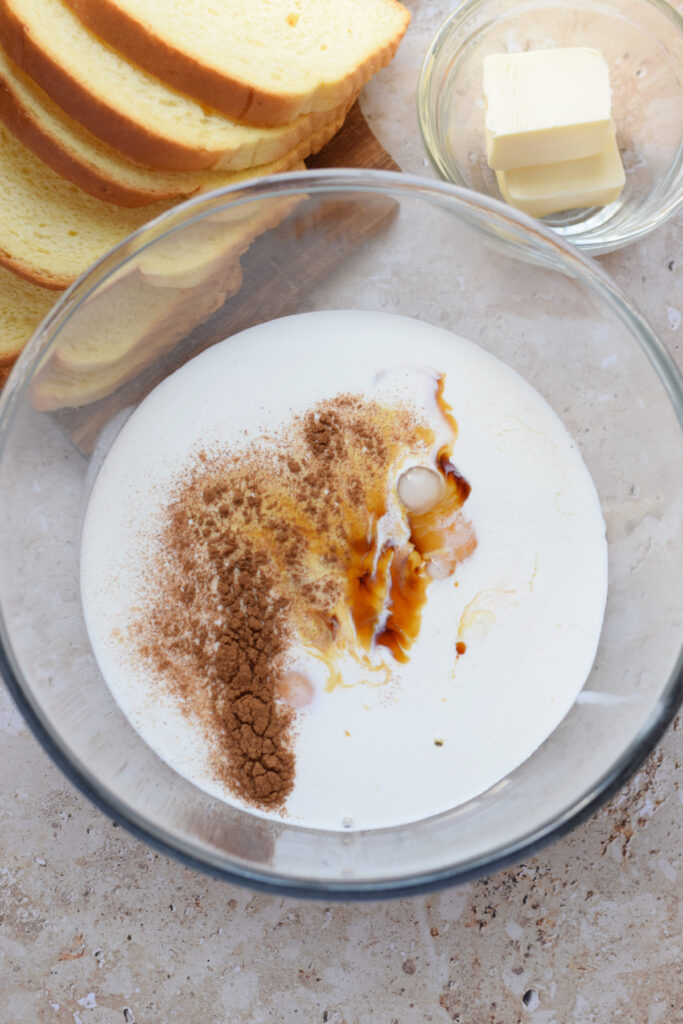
(642, 42)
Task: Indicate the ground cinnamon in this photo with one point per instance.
(217, 634)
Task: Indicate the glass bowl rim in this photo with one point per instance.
(429, 136)
(320, 182)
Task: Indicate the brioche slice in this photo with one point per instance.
(260, 63)
(130, 110)
(105, 346)
(211, 246)
(50, 231)
(118, 324)
(75, 154)
(23, 306)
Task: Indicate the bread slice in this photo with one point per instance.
(129, 109)
(107, 345)
(23, 306)
(75, 154)
(50, 231)
(212, 246)
(118, 323)
(260, 63)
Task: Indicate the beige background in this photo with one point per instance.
(95, 928)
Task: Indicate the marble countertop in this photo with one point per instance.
(96, 928)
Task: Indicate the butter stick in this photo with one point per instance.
(545, 106)
(550, 188)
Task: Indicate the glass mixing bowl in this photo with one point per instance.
(642, 42)
(322, 240)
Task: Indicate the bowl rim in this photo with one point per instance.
(428, 135)
(321, 182)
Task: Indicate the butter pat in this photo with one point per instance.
(550, 188)
(545, 106)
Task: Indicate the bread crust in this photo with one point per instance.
(227, 94)
(29, 273)
(6, 364)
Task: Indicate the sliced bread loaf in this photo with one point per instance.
(263, 63)
(22, 308)
(50, 231)
(131, 110)
(77, 155)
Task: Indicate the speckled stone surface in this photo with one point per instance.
(95, 928)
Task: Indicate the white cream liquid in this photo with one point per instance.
(528, 603)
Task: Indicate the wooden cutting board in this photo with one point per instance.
(340, 229)
(354, 145)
